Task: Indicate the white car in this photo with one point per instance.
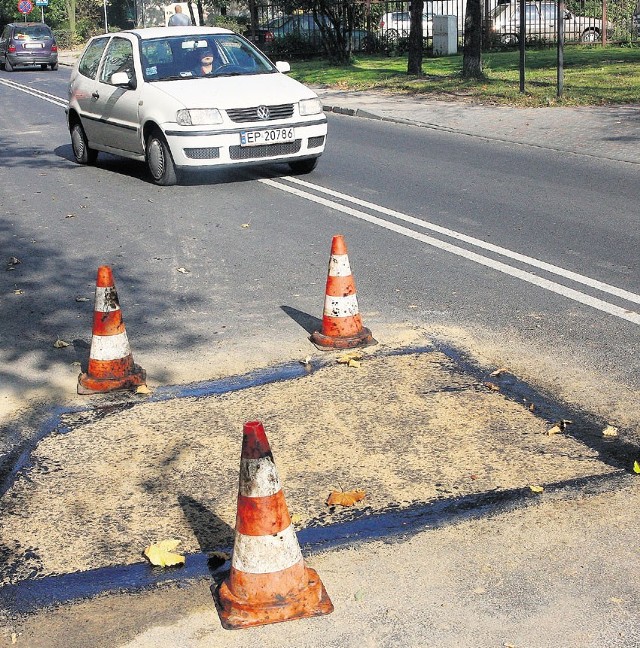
(144, 94)
(397, 24)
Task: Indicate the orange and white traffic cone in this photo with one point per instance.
(341, 322)
(111, 365)
(269, 581)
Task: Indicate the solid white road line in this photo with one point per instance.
(40, 94)
(547, 267)
(570, 293)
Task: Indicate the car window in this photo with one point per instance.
(90, 60)
(176, 57)
(33, 32)
(119, 58)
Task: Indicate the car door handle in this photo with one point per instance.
(95, 94)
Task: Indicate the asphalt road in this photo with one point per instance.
(516, 257)
(255, 254)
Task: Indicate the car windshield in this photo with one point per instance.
(181, 57)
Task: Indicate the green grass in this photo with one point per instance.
(592, 76)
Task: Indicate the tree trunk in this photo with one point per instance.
(414, 65)
(472, 51)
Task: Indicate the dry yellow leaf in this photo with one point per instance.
(491, 386)
(610, 431)
(60, 344)
(345, 498)
(143, 389)
(499, 371)
(161, 554)
(556, 429)
(636, 467)
(353, 363)
(296, 518)
(536, 489)
(346, 358)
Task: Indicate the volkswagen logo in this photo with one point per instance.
(263, 112)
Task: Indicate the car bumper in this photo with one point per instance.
(32, 58)
(195, 148)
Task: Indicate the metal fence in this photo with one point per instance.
(383, 26)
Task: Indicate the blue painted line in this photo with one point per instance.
(356, 527)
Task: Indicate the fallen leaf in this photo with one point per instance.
(491, 386)
(499, 371)
(532, 407)
(14, 638)
(70, 216)
(345, 498)
(18, 291)
(610, 431)
(161, 554)
(60, 344)
(14, 261)
(616, 600)
(183, 270)
(245, 225)
(536, 489)
(143, 389)
(636, 467)
(556, 429)
(222, 555)
(353, 363)
(359, 595)
(296, 518)
(346, 358)
(83, 299)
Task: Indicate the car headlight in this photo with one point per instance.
(310, 106)
(199, 117)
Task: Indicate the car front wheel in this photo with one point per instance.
(590, 36)
(7, 66)
(160, 161)
(81, 151)
(303, 166)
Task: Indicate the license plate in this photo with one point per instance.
(268, 136)
(33, 45)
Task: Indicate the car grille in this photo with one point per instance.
(241, 115)
(202, 153)
(264, 150)
(314, 142)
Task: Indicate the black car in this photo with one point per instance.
(28, 45)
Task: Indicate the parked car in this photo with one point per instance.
(541, 23)
(28, 45)
(304, 26)
(397, 24)
(636, 21)
(140, 94)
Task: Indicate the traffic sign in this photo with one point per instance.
(25, 6)
(42, 3)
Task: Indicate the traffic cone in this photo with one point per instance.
(111, 364)
(269, 581)
(341, 322)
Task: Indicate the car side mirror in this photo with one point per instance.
(122, 80)
(567, 15)
(283, 67)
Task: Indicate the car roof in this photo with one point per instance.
(159, 32)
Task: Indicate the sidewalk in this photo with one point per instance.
(609, 132)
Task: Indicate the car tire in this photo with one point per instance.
(43, 66)
(160, 161)
(303, 166)
(590, 36)
(54, 66)
(7, 66)
(81, 150)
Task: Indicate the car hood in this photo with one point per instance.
(234, 91)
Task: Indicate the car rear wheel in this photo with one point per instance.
(54, 66)
(7, 66)
(304, 166)
(590, 36)
(43, 66)
(81, 150)
(160, 161)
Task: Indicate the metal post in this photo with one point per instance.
(523, 36)
(106, 26)
(560, 57)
